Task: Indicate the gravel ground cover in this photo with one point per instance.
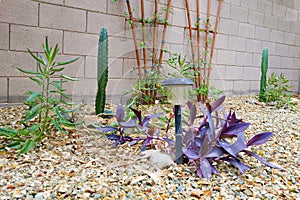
(82, 165)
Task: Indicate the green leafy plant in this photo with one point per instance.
(263, 78)
(45, 110)
(278, 91)
(102, 76)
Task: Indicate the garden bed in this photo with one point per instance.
(82, 165)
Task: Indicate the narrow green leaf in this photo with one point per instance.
(7, 132)
(14, 145)
(33, 97)
(57, 69)
(59, 115)
(28, 71)
(37, 81)
(66, 62)
(59, 128)
(29, 144)
(35, 57)
(42, 59)
(31, 116)
(70, 124)
(68, 78)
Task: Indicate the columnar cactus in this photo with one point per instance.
(102, 75)
(263, 78)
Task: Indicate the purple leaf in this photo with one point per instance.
(129, 124)
(193, 112)
(145, 143)
(191, 154)
(211, 132)
(138, 114)
(107, 129)
(205, 168)
(145, 122)
(113, 137)
(202, 108)
(242, 167)
(217, 103)
(234, 129)
(133, 142)
(259, 138)
(151, 131)
(204, 146)
(188, 137)
(262, 160)
(199, 172)
(215, 153)
(155, 115)
(120, 113)
(239, 145)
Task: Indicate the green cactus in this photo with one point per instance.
(263, 78)
(102, 75)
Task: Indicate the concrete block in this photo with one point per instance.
(256, 18)
(114, 24)
(130, 70)
(75, 69)
(234, 73)
(223, 85)
(295, 27)
(25, 37)
(19, 12)
(253, 45)
(289, 38)
(276, 36)
(125, 48)
(221, 41)
(279, 10)
(3, 90)
(241, 87)
(294, 51)
(58, 2)
(10, 60)
(268, 9)
(4, 35)
(251, 73)
(175, 35)
(119, 86)
(291, 14)
(297, 39)
(238, 13)
(243, 59)
(226, 57)
(80, 44)
(287, 63)
(271, 47)
(274, 61)
(262, 33)
(18, 87)
(225, 10)
(218, 72)
(229, 27)
(180, 18)
(256, 62)
(282, 49)
(249, 4)
(271, 21)
(246, 30)
(117, 8)
(58, 17)
(284, 25)
(254, 87)
(84, 88)
(94, 5)
(292, 75)
(236, 43)
(235, 2)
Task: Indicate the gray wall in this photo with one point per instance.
(245, 28)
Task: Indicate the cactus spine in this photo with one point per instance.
(102, 75)
(263, 78)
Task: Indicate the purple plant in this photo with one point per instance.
(209, 143)
(139, 123)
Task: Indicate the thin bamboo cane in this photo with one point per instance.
(191, 37)
(214, 39)
(164, 34)
(198, 41)
(206, 37)
(154, 34)
(143, 32)
(134, 40)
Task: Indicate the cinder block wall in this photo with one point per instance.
(245, 28)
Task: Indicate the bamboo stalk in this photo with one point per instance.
(143, 30)
(214, 39)
(134, 40)
(164, 34)
(198, 41)
(155, 30)
(191, 38)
